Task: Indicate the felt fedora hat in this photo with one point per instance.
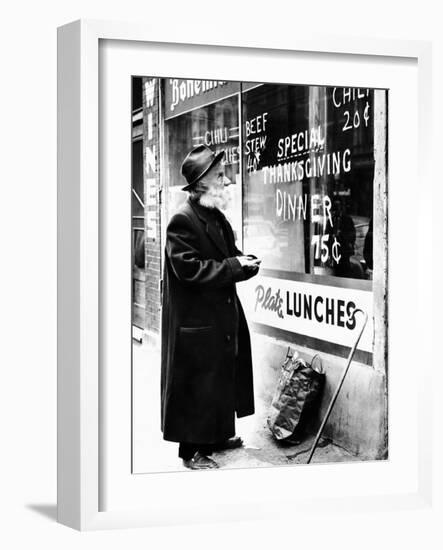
(198, 163)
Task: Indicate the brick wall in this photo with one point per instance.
(151, 166)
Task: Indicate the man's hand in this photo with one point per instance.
(249, 261)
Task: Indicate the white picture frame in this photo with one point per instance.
(81, 294)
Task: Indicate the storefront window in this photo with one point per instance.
(303, 162)
(215, 125)
(308, 179)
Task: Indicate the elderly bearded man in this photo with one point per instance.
(206, 352)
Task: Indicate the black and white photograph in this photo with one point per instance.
(231, 328)
(259, 274)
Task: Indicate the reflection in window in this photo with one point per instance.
(215, 125)
(308, 178)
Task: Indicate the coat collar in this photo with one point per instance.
(208, 218)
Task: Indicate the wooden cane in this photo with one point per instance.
(338, 388)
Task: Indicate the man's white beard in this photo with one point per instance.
(216, 198)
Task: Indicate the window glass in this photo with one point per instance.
(137, 179)
(215, 125)
(308, 178)
(137, 93)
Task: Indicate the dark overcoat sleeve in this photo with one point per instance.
(184, 251)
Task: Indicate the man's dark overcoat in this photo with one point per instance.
(206, 353)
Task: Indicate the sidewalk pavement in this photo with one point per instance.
(152, 454)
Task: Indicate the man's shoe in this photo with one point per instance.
(231, 443)
(200, 462)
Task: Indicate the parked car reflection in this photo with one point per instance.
(260, 237)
